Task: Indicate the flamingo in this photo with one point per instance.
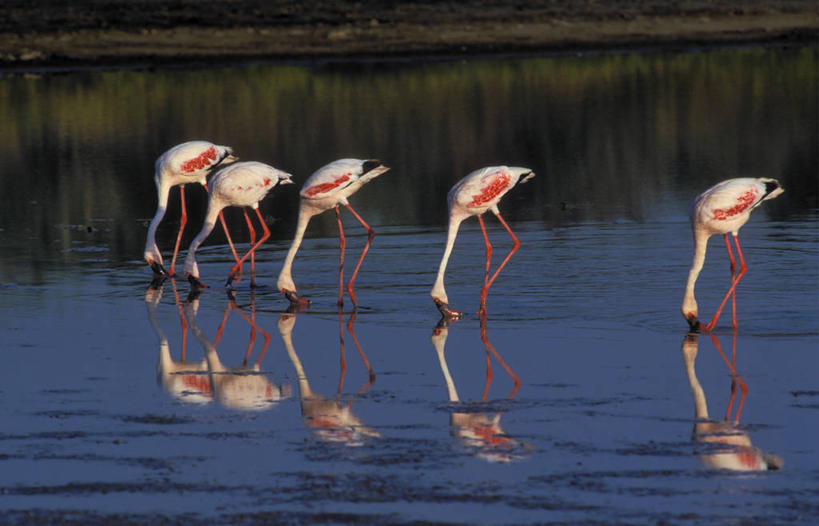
(328, 187)
(189, 162)
(472, 196)
(723, 209)
(242, 184)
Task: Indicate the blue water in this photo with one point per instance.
(586, 314)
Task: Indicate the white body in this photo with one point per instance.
(722, 209)
(473, 195)
(240, 184)
(189, 162)
(326, 188)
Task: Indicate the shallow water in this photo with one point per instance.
(600, 427)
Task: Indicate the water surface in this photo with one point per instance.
(575, 402)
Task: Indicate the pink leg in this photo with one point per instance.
(491, 348)
(735, 378)
(733, 273)
(182, 221)
(503, 263)
(342, 244)
(370, 236)
(488, 258)
(370, 373)
(342, 359)
(740, 273)
(238, 266)
(184, 322)
(229, 240)
(253, 254)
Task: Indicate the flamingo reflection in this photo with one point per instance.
(330, 420)
(729, 446)
(479, 433)
(243, 387)
(183, 380)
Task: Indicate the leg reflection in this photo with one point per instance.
(726, 445)
(329, 420)
(481, 434)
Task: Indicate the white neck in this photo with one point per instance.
(285, 281)
(285, 330)
(438, 290)
(162, 191)
(689, 304)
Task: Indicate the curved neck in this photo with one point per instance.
(689, 304)
(210, 222)
(452, 232)
(438, 341)
(162, 191)
(285, 276)
(304, 385)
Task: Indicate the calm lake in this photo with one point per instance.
(580, 399)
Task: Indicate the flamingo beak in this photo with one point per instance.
(447, 311)
(196, 283)
(693, 323)
(296, 302)
(158, 269)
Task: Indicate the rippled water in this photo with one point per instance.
(575, 402)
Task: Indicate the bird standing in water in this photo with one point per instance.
(472, 196)
(189, 162)
(241, 184)
(723, 209)
(327, 188)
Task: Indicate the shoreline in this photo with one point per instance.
(445, 37)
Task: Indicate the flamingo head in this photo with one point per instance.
(446, 311)
(297, 303)
(693, 322)
(154, 259)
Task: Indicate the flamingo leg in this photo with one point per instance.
(491, 348)
(488, 254)
(183, 219)
(370, 373)
(237, 268)
(733, 273)
(503, 263)
(182, 320)
(342, 243)
(370, 236)
(252, 242)
(742, 268)
(229, 240)
(735, 378)
(342, 359)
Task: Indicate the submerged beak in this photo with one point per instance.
(296, 302)
(158, 269)
(196, 283)
(446, 311)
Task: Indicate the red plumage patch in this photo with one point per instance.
(744, 201)
(326, 187)
(203, 160)
(491, 190)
